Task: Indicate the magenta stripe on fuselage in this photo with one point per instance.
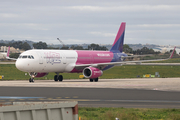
(93, 57)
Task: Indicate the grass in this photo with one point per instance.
(174, 60)
(86, 113)
(10, 72)
(133, 71)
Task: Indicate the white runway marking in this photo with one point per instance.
(10, 97)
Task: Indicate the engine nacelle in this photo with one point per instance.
(92, 72)
(33, 74)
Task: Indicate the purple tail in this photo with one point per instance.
(118, 42)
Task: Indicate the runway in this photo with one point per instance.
(7, 62)
(129, 93)
(161, 84)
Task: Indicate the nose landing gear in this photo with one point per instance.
(31, 79)
(32, 74)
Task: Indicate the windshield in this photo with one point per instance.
(26, 57)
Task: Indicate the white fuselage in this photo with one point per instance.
(47, 61)
(59, 61)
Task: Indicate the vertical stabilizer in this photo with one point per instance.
(7, 56)
(8, 51)
(172, 53)
(118, 42)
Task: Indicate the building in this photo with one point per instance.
(4, 49)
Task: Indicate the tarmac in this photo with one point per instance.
(128, 93)
(160, 84)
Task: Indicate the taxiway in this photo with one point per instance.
(131, 93)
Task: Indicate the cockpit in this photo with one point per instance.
(26, 57)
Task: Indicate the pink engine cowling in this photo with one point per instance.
(92, 72)
(41, 74)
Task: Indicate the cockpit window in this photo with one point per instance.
(24, 56)
(29, 56)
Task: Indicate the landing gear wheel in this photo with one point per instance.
(60, 78)
(91, 80)
(96, 79)
(55, 78)
(31, 79)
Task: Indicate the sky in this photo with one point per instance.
(91, 21)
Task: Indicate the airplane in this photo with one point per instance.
(39, 63)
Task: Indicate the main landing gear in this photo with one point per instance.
(95, 80)
(58, 77)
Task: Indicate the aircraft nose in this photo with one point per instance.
(19, 65)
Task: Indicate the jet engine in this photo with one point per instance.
(92, 72)
(33, 74)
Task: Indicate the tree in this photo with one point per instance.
(96, 47)
(127, 49)
(144, 50)
(3, 44)
(77, 47)
(14, 55)
(16, 44)
(20, 45)
(40, 45)
(53, 48)
(26, 46)
(65, 48)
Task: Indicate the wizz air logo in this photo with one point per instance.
(52, 57)
(103, 55)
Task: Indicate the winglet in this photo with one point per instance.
(172, 53)
(8, 52)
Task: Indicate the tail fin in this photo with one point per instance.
(118, 42)
(7, 56)
(8, 51)
(172, 53)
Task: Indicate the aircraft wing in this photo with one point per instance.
(132, 56)
(99, 65)
(7, 57)
(11, 58)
